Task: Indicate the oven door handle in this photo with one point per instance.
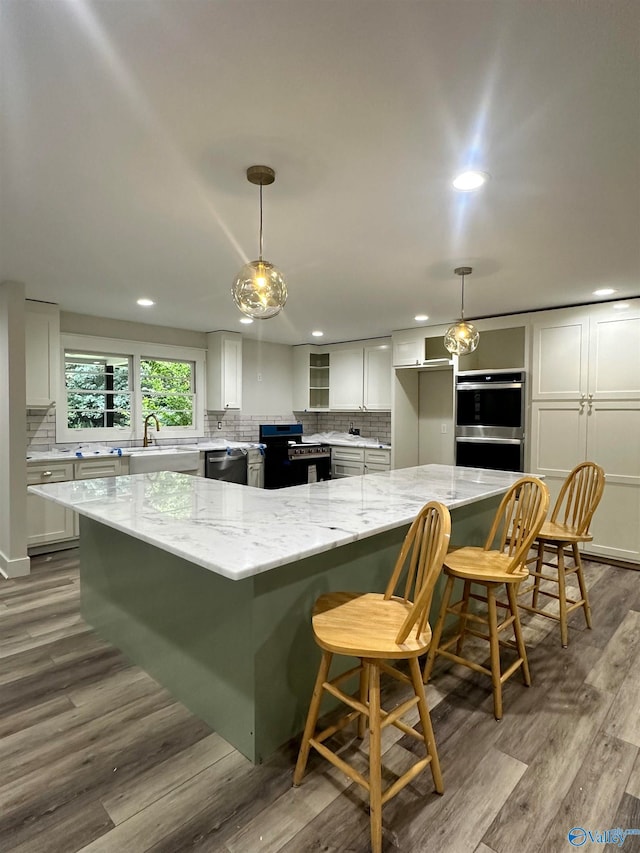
(487, 440)
(486, 386)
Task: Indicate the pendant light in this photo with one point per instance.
(259, 290)
(461, 338)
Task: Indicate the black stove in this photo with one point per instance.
(290, 462)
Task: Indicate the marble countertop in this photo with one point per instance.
(239, 531)
(343, 439)
(89, 452)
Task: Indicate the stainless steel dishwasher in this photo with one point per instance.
(229, 465)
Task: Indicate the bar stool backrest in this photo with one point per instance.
(579, 497)
(518, 520)
(423, 552)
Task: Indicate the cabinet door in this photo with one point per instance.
(346, 469)
(614, 354)
(377, 378)
(345, 379)
(255, 475)
(224, 371)
(613, 442)
(47, 521)
(558, 437)
(560, 356)
(374, 468)
(42, 356)
(232, 373)
(408, 348)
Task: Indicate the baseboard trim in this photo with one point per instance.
(19, 567)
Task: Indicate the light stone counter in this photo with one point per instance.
(238, 532)
(209, 586)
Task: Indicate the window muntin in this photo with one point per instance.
(98, 390)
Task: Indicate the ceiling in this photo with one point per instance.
(128, 127)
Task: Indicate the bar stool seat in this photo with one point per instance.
(516, 523)
(376, 628)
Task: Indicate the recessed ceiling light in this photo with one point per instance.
(604, 291)
(246, 320)
(317, 333)
(621, 306)
(146, 303)
(420, 318)
(470, 180)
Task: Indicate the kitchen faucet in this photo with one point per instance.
(146, 441)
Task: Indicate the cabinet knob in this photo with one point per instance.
(47, 474)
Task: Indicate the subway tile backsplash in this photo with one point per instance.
(236, 426)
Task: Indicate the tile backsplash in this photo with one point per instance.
(236, 426)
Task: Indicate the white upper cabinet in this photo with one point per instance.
(310, 379)
(614, 353)
(224, 371)
(377, 378)
(560, 355)
(342, 378)
(42, 353)
(587, 354)
(408, 347)
(345, 379)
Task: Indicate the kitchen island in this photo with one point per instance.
(209, 586)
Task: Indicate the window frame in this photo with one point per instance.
(135, 351)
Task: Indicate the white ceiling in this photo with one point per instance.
(128, 127)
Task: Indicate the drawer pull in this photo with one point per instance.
(47, 474)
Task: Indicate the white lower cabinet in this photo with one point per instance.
(49, 523)
(346, 461)
(355, 461)
(255, 469)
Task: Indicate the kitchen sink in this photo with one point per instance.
(146, 459)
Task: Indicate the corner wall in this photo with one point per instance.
(13, 467)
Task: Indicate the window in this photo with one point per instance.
(98, 390)
(110, 387)
(167, 390)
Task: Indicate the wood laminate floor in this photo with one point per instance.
(95, 756)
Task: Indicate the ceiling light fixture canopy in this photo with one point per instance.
(462, 337)
(259, 290)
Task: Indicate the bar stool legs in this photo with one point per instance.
(494, 629)
(566, 605)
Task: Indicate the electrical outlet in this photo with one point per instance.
(443, 429)
(259, 377)
(219, 424)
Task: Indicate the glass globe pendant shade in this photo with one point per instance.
(259, 290)
(461, 338)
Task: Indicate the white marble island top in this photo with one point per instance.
(238, 531)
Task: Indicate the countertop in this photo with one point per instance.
(343, 439)
(238, 531)
(71, 455)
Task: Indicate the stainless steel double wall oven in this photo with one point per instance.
(490, 419)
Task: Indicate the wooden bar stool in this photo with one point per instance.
(500, 561)
(569, 524)
(376, 628)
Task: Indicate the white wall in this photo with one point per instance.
(13, 427)
(102, 327)
(267, 378)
